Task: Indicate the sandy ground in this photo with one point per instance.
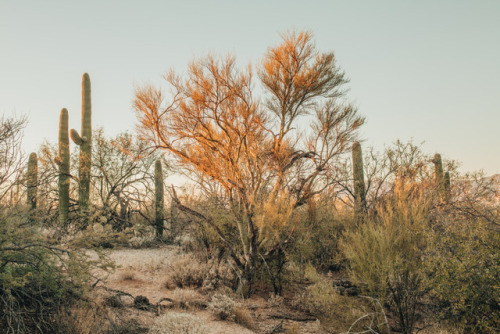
(143, 272)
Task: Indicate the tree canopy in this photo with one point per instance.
(259, 149)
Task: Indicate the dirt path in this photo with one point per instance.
(144, 271)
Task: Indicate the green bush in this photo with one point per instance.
(335, 312)
(37, 278)
(386, 254)
(317, 233)
(465, 270)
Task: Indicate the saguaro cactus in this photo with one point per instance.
(32, 180)
(359, 180)
(447, 187)
(439, 175)
(85, 143)
(158, 199)
(63, 160)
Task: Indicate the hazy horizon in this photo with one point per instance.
(427, 71)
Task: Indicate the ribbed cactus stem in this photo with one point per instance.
(158, 199)
(64, 166)
(447, 187)
(439, 175)
(359, 180)
(32, 180)
(85, 143)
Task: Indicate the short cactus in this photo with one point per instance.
(158, 199)
(85, 143)
(359, 180)
(32, 180)
(63, 160)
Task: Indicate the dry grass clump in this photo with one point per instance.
(189, 299)
(243, 317)
(275, 301)
(293, 329)
(127, 274)
(93, 319)
(84, 320)
(222, 306)
(321, 300)
(145, 241)
(186, 271)
(178, 323)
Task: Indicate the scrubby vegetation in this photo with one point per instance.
(279, 231)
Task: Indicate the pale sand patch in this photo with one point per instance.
(143, 272)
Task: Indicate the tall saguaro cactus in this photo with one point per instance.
(158, 199)
(63, 160)
(359, 180)
(439, 176)
(32, 180)
(447, 187)
(85, 143)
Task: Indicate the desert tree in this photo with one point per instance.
(269, 154)
(123, 173)
(12, 160)
(122, 180)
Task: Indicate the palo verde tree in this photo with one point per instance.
(251, 147)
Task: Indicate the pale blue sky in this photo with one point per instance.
(427, 70)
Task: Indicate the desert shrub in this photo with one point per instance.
(188, 271)
(275, 301)
(319, 228)
(82, 320)
(93, 231)
(243, 317)
(189, 299)
(89, 318)
(321, 300)
(222, 306)
(386, 254)
(465, 266)
(37, 278)
(178, 323)
(128, 274)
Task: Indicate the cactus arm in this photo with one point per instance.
(76, 137)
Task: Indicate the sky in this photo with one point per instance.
(427, 71)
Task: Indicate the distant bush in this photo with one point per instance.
(178, 323)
